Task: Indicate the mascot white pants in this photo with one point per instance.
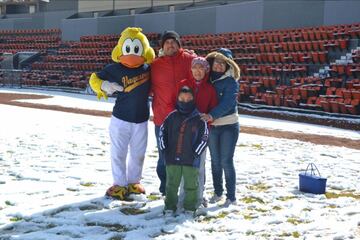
(127, 137)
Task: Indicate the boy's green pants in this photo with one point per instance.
(191, 186)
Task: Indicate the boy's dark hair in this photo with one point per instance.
(186, 89)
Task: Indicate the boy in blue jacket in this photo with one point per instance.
(183, 137)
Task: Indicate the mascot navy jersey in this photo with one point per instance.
(132, 104)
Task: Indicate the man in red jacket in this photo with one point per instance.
(172, 65)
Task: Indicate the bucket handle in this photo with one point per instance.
(312, 170)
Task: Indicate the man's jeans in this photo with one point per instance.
(160, 168)
(222, 142)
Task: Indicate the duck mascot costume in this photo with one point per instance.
(129, 76)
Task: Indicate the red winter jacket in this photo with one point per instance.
(166, 73)
(205, 93)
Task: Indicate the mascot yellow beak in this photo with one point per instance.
(133, 49)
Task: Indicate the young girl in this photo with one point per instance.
(183, 138)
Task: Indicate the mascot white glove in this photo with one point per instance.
(111, 87)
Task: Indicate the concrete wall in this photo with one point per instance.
(242, 17)
(292, 14)
(72, 29)
(91, 5)
(28, 23)
(114, 25)
(23, 21)
(150, 22)
(60, 5)
(54, 19)
(6, 24)
(40, 20)
(341, 12)
(203, 20)
(254, 15)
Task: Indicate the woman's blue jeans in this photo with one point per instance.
(222, 143)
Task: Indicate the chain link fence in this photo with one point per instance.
(10, 78)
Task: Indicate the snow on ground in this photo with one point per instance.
(55, 168)
(84, 101)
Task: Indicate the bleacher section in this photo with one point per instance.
(281, 67)
(309, 68)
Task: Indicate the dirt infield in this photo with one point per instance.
(10, 99)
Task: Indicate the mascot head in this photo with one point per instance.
(133, 49)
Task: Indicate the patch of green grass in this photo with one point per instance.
(222, 215)
(111, 227)
(252, 200)
(132, 211)
(16, 219)
(296, 234)
(50, 225)
(250, 233)
(307, 209)
(87, 184)
(248, 216)
(285, 234)
(210, 218)
(265, 235)
(293, 234)
(286, 198)
(260, 210)
(116, 238)
(9, 203)
(72, 189)
(330, 195)
(257, 146)
(259, 187)
(332, 206)
(152, 197)
(277, 208)
(257, 209)
(241, 145)
(210, 230)
(296, 221)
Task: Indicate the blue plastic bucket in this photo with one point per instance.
(311, 183)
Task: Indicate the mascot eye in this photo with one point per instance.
(138, 47)
(127, 46)
(132, 47)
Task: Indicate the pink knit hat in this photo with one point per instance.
(202, 61)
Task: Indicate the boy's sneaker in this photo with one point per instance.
(204, 202)
(215, 198)
(228, 203)
(136, 188)
(189, 213)
(168, 213)
(117, 192)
